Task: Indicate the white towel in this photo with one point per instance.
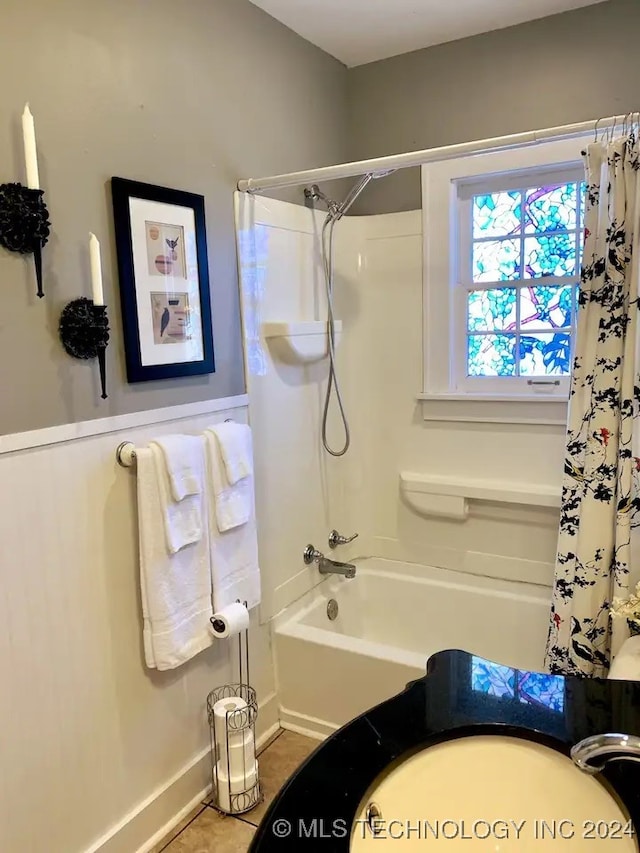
(183, 520)
(235, 570)
(626, 664)
(183, 458)
(175, 589)
(237, 452)
(233, 504)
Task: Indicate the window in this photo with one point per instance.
(518, 266)
(502, 244)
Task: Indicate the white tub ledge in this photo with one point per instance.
(448, 497)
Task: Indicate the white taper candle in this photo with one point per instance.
(96, 270)
(30, 154)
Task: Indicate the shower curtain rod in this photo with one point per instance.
(429, 155)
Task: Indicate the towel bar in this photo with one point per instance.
(126, 451)
(126, 454)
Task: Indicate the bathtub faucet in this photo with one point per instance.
(327, 566)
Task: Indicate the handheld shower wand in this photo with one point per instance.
(335, 213)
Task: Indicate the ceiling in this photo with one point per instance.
(359, 31)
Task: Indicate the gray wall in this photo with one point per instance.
(190, 94)
(571, 67)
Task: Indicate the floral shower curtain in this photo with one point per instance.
(600, 496)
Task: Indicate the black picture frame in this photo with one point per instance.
(123, 191)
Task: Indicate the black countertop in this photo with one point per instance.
(447, 703)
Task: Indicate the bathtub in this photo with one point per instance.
(391, 618)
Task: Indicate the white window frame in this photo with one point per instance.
(445, 396)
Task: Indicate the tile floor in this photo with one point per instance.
(206, 830)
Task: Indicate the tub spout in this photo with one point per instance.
(333, 567)
(327, 566)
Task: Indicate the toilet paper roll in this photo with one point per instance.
(226, 786)
(233, 740)
(235, 749)
(239, 754)
(230, 621)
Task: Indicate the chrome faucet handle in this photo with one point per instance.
(336, 539)
(310, 555)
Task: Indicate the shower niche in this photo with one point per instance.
(300, 342)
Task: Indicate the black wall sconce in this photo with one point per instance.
(24, 223)
(24, 218)
(84, 332)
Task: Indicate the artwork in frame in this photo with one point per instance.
(164, 281)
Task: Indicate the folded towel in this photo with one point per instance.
(233, 504)
(175, 589)
(236, 449)
(234, 564)
(626, 664)
(184, 520)
(183, 458)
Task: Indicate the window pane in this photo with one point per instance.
(551, 208)
(497, 260)
(491, 310)
(491, 355)
(546, 307)
(496, 215)
(549, 256)
(545, 355)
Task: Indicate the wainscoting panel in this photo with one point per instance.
(86, 731)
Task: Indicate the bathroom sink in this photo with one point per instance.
(490, 793)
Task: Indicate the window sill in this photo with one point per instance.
(536, 409)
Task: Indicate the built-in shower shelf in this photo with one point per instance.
(300, 342)
(448, 497)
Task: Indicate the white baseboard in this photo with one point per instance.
(154, 818)
(308, 726)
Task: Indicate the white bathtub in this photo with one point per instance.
(392, 618)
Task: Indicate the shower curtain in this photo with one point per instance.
(600, 503)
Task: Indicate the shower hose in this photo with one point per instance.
(333, 384)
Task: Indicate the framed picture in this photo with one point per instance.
(164, 281)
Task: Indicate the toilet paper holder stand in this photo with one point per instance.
(232, 710)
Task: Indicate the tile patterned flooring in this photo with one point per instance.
(205, 830)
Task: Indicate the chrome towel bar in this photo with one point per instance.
(126, 451)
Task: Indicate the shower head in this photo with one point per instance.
(314, 193)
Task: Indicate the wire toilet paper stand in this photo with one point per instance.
(232, 710)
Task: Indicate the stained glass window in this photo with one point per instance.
(497, 214)
(497, 260)
(521, 301)
(529, 688)
(492, 355)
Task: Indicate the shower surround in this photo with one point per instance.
(302, 493)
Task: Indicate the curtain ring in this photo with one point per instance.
(595, 136)
(613, 129)
(610, 131)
